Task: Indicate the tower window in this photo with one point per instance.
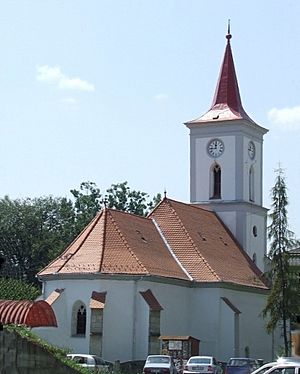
(216, 182)
(251, 183)
(254, 231)
(81, 320)
(78, 327)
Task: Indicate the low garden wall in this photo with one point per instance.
(19, 356)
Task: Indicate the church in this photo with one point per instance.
(187, 269)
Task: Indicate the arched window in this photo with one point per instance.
(81, 320)
(215, 190)
(78, 318)
(254, 258)
(251, 183)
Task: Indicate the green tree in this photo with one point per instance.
(280, 307)
(121, 197)
(33, 232)
(14, 289)
(88, 202)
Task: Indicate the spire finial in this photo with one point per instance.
(228, 36)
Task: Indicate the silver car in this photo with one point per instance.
(90, 361)
(159, 364)
(202, 365)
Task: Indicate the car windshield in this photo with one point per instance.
(80, 359)
(200, 360)
(239, 362)
(99, 360)
(158, 359)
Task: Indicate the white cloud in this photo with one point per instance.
(69, 100)
(161, 97)
(53, 75)
(285, 118)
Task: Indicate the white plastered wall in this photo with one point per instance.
(199, 312)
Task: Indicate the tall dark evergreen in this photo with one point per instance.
(280, 307)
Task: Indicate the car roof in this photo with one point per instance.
(83, 355)
(287, 359)
(264, 366)
(201, 357)
(285, 365)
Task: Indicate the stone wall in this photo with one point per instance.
(19, 356)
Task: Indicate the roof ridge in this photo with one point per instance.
(193, 244)
(104, 237)
(125, 212)
(204, 207)
(87, 229)
(126, 243)
(170, 249)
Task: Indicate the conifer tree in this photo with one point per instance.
(280, 307)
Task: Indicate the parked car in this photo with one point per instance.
(287, 368)
(241, 365)
(280, 361)
(90, 361)
(159, 364)
(202, 365)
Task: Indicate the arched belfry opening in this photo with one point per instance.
(251, 183)
(215, 181)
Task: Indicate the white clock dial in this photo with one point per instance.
(251, 150)
(215, 148)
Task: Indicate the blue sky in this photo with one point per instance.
(99, 90)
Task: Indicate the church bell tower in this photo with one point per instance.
(226, 163)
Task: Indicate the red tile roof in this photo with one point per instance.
(204, 246)
(54, 296)
(151, 300)
(97, 300)
(28, 313)
(116, 242)
(177, 240)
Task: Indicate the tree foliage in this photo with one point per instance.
(121, 197)
(87, 203)
(281, 305)
(14, 289)
(35, 231)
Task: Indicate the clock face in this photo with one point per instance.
(215, 148)
(251, 150)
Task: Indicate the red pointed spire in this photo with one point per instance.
(227, 104)
(227, 90)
